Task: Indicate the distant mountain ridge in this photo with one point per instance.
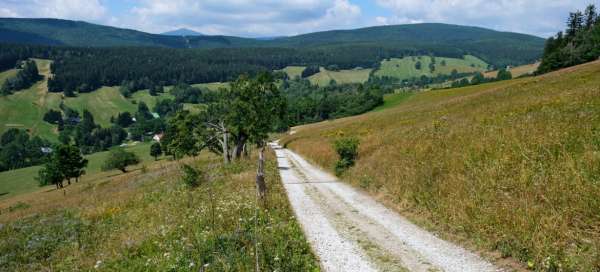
(182, 32)
(495, 47)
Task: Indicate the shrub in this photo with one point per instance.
(190, 176)
(347, 149)
(120, 159)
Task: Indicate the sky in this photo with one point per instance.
(268, 18)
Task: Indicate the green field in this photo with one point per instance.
(404, 68)
(324, 77)
(26, 108)
(22, 180)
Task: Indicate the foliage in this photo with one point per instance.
(254, 106)
(190, 176)
(347, 150)
(155, 150)
(309, 103)
(69, 161)
(53, 116)
(50, 174)
(310, 70)
(578, 44)
(181, 135)
(124, 119)
(18, 149)
(119, 159)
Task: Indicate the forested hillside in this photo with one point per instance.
(499, 48)
(579, 43)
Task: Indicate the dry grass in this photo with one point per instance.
(150, 221)
(512, 166)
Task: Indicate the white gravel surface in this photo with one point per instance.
(350, 231)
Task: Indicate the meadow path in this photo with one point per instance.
(350, 231)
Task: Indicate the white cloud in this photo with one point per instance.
(244, 17)
(91, 10)
(540, 17)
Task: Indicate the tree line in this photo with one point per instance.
(579, 43)
(307, 103)
(18, 149)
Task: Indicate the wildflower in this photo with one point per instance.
(98, 263)
(192, 264)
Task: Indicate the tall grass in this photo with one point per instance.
(513, 167)
(153, 222)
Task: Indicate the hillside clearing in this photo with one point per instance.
(510, 166)
(26, 108)
(324, 77)
(404, 68)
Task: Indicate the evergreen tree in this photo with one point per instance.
(155, 150)
(591, 16)
(574, 23)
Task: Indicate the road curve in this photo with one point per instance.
(350, 231)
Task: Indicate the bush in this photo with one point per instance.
(347, 149)
(119, 159)
(190, 176)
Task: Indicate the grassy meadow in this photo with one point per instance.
(510, 167)
(150, 221)
(324, 77)
(20, 181)
(404, 68)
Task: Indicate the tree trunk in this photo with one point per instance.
(239, 146)
(69, 181)
(226, 157)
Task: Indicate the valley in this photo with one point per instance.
(318, 137)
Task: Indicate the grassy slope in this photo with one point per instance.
(26, 108)
(20, 181)
(293, 71)
(512, 166)
(152, 222)
(393, 99)
(405, 68)
(343, 76)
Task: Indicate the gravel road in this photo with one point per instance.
(350, 231)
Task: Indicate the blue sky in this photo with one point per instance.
(255, 18)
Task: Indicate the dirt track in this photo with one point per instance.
(349, 231)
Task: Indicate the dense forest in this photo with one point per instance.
(579, 43)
